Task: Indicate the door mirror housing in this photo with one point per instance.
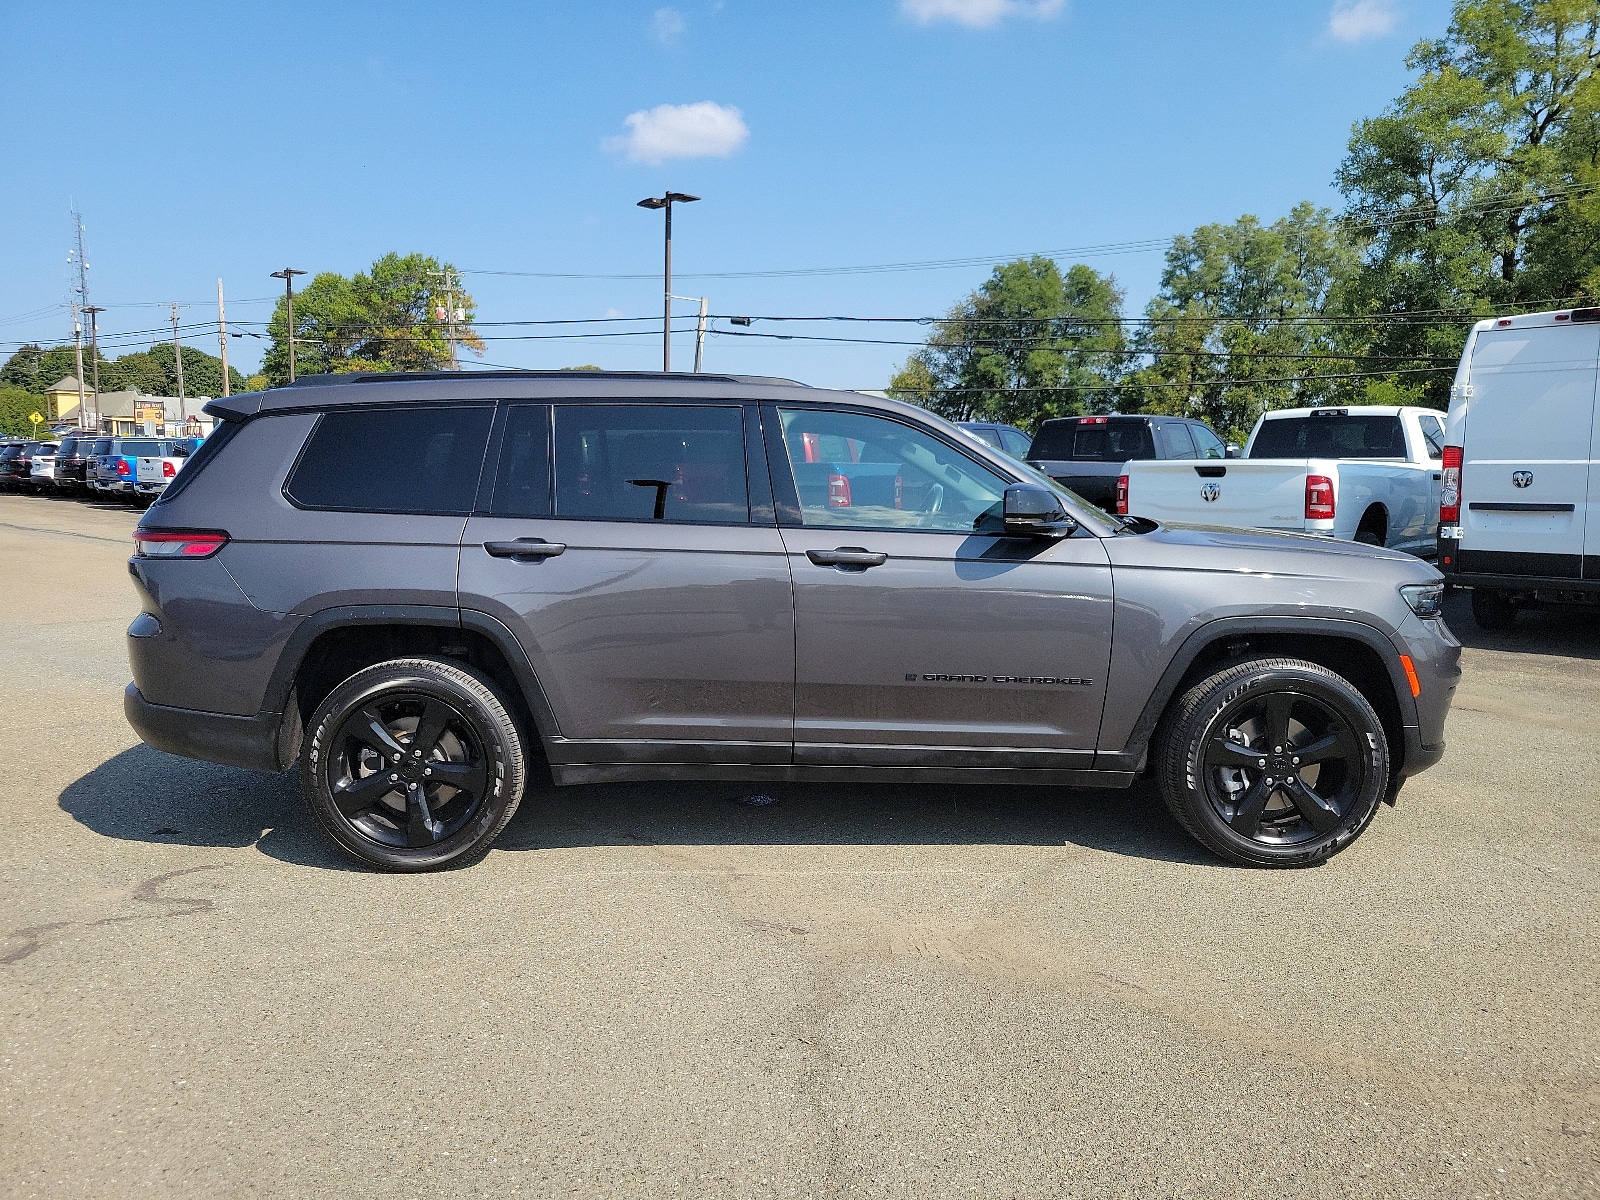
(1035, 512)
(1232, 450)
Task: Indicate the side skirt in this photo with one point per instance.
(566, 774)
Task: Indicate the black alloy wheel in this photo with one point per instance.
(413, 764)
(1273, 762)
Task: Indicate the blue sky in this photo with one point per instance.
(229, 140)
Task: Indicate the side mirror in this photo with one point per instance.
(1231, 450)
(1035, 512)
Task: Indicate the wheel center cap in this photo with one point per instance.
(1282, 766)
(410, 770)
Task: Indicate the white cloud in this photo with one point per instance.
(669, 25)
(978, 14)
(703, 130)
(614, 312)
(1358, 20)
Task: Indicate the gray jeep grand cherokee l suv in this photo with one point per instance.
(418, 586)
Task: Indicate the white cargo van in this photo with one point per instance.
(1520, 480)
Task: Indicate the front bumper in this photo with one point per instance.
(1436, 657)
(247, 742)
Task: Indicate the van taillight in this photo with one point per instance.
(838, 491)
(1450, 487)
(178, 543)
(1319, 498)
(1122, 495)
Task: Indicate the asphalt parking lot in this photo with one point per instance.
(856, 991)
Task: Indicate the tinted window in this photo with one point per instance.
(651, 462)
(1433, 435)
(1113, 440)
(400, 460)
(522, 483)
(851, 469)
(68, 447)
(985, 433)
(1173, 437)
(134, 447)
(1015, 443)
(101, 446)
(1330, 437)
(1207, 443)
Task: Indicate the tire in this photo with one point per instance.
(1492, 610)
(1218, 750)
(1368, 537)
(423, 823)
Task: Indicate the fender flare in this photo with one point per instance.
(1131, 756)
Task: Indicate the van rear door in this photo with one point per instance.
(1525, 459)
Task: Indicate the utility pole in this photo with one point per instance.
(80, 258)
(699, 329)
(449, 313)
(666, 202)
(77, 338)
(287, 275)
(94, 348)
(177, 357)
(222, 337)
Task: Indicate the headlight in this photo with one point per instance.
(1425, 599)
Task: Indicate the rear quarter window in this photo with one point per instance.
(393, 460)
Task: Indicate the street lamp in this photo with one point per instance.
(287, 275)
(666, 202)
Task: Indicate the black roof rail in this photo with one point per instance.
(416, 376)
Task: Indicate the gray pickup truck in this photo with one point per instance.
(422, 588)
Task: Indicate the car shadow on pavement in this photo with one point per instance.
(144, 795)
(1568, 632)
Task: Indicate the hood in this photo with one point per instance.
(1258, 550)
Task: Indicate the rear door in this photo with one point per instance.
(651, 592)
(923, 637)
(1529, 438)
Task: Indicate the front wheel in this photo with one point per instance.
(1273, 763)
(413, 765)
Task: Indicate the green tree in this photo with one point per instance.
(153, 371)
(1478, 186)
(1239, 324)
(385, 319)
(16, 405)
(35, 368)
(1031, 343)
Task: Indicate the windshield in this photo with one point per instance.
(1330, 436)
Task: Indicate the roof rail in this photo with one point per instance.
(415, 376)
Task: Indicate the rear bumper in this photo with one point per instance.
(248, 742)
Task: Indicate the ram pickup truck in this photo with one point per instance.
(152, 472)
(1369, 474)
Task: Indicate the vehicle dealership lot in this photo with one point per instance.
(657, 990)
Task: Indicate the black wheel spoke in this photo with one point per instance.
(1338, 744)
(430, 728)
(468, 777)
(360, 794)
(1322, 815)
(369, 728)
(421, 828)
(1223, 753)
(1277, 718)
(1247, 816)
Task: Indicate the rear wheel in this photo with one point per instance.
(1273, 762)
(1493, 610)
(413, 765)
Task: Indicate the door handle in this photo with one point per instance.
(847, 556)
(525, 548)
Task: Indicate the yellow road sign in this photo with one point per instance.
(35, 418)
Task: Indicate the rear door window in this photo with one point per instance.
(394, 460)
(1173, 438)
(651, 462)
(522, 482)
(1331, 436)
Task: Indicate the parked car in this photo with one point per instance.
(152, 473)
(9, 449)
(1369, 474)
(116, 467)
(16, 463)
(1002, 437)
(1519, 517)
(42, 471)
(415, 586)
(1086, 453)
(72, 460)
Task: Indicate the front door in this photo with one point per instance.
(923, 636)
(662, 628)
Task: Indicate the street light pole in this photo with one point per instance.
(287, 275)
(666, 202)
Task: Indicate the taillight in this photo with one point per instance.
(1319, 498)
(122, 467)
(168, 470)
(178, 543)
(1122, 495)
(838, 491)
(1450, 487)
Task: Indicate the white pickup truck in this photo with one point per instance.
(1366, 474)
(152, 473)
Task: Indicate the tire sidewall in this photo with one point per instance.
(1204, 724)
(492, 729)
